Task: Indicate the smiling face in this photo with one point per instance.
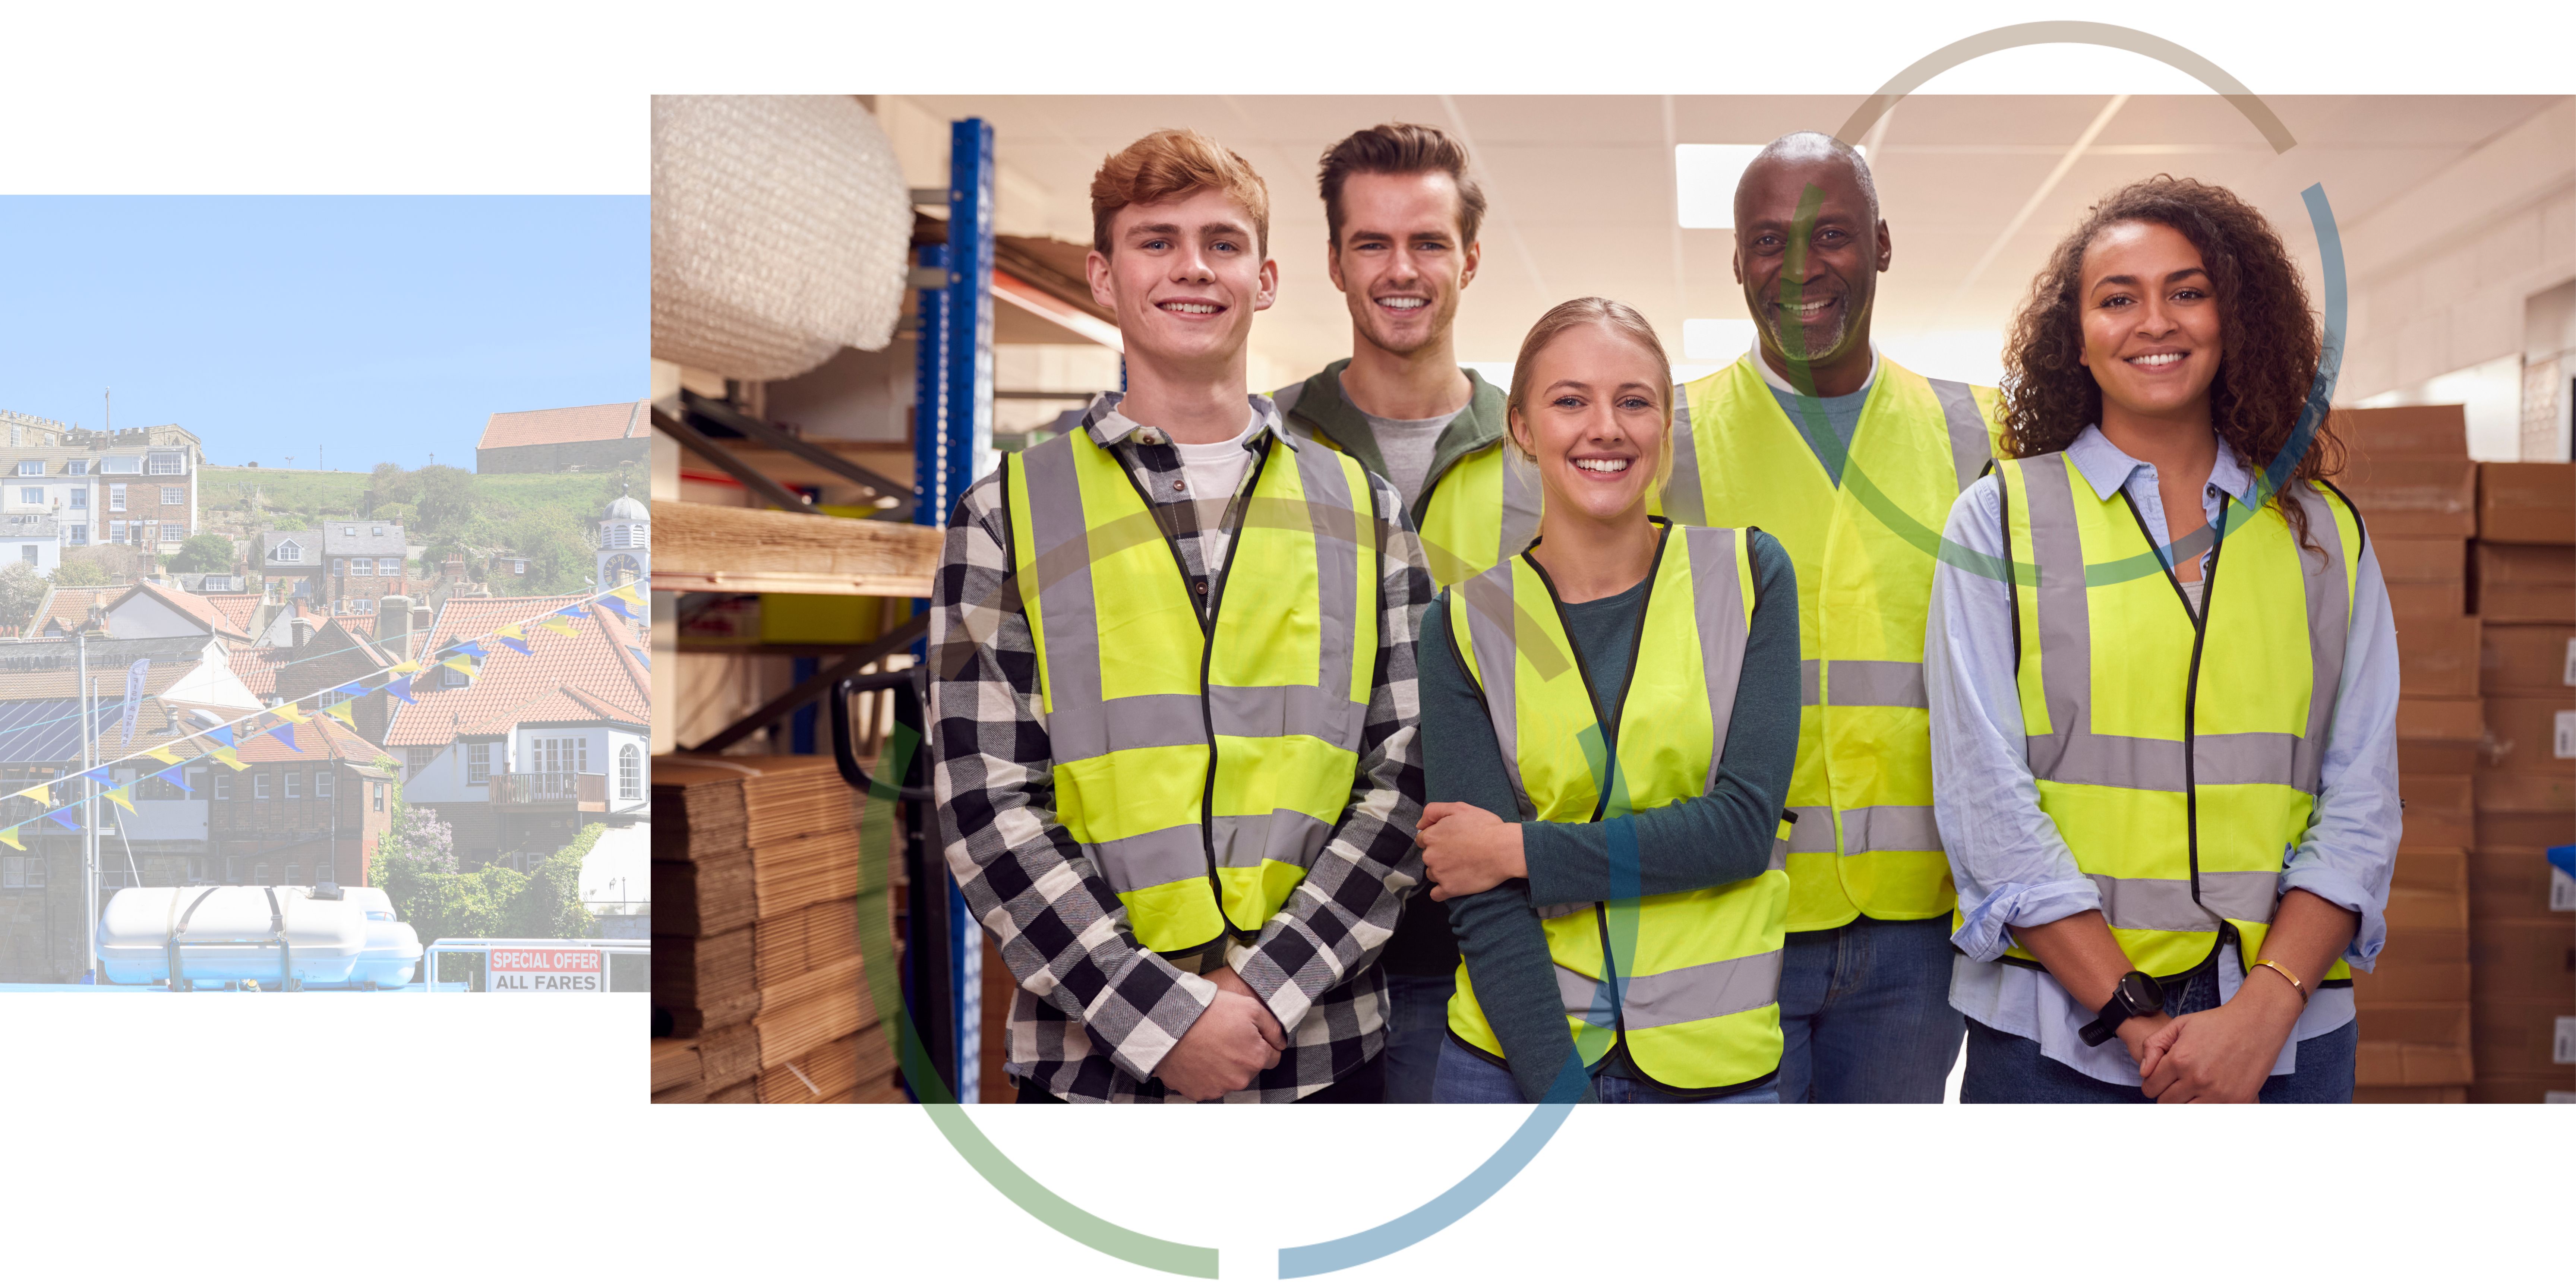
(1184, 278)
(1401, 262)
(1830, 280)
(2150, 322)
(1593, 413)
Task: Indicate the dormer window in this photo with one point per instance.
(286, 552)
(31, 469)
(348, 532)
(75, 467)
(167, 463)
(376, 531)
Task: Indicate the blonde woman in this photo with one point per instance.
(1608, 725)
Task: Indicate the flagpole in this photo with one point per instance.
(89, 821)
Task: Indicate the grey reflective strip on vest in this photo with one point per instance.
(1811, 682)
(1133, 863)
(1523, 495)
(2329, 625)
(1065, 603)
(1889, 827)
(1970, 445)
(1717, 600)
(1875, 684)
(1702, 992)
(1495, 636)
(1335, 518)
(1779, 855)
(1682, 500)
(1813, 833)
(2151, 903)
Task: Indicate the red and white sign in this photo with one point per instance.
(546, 970)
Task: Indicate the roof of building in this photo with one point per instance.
(69, 605)
(257, 668)
(236, 608)
(591, 424)
(364, 537)
(30, 527)
(47, 731)
(320, 738)
(590, 676)
(626, 509)
(362, 625)
(196, 608)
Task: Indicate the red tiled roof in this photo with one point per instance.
(257, 667)
(566, 425)
(70, 605)
(320, 738)
(235, 608)
(509, 687)
(16, 686)
(193, 607)
(361, 625)
(155, 727)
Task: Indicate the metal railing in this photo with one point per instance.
(550, 787)
(610, 978)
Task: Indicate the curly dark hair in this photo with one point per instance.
(2271, 340)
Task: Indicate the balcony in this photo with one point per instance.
(586, 793)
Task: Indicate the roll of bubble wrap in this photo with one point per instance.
(781, 226)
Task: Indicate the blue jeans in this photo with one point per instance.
(1466, 1079)
(2005, 1069)
(1417, 1026)
(1865, 1014)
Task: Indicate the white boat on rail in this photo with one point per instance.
(286, 937)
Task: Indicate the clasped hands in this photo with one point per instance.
(2219, 1056)
(1467, 850)
(1230, 1043)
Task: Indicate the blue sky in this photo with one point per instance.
(367, 328)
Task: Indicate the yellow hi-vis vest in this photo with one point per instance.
(2179, 757)
(1201, 764)
(1695, 997)
(1865, 841)
(1483, 510)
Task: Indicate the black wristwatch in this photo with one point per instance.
(2136, 994)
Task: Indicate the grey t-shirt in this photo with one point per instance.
(1842, 416)
(1407, 446)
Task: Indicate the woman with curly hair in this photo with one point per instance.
(2163, 683)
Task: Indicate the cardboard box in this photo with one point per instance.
(2526, 958)
(2530, 502)
(2511, 882)
(2441, 811)
(2410, 1095)
(2421, 559)
(2503, 793)
(2520, 660)
(2416, 756)
(2439, 656)
(2428, 598)
(2431, 868)
(2403, 496)
(2524, 583)
(2439, 719)
(2417, 1045)
(2526, 736)
(2438, 431)
(2519, 1036)
(2530, 830)
(2517, 1089)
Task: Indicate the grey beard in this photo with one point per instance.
(1793, 339)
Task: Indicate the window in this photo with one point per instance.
(294, 874)
(379, 804)
(166, 463)
(26, 554)
(519, 567)
(362, 567)
(260, 874)
(630, 773)
(80, 534)
(223, 787)
(294, 784)
(322, 783)
(13, 872)
(75, 467)
(120, 465)
(416, 759)
(376, 531)
(339, 567)
(362, 605)
(116, 496)
(31, 496)
(197, 781)
(478, 762)
(80, 498)
(35, 873)
(323, 874)
(116, 532)
(34, 468)
(259, 786)
(174, 496)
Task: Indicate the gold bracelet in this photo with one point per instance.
(2285, 974)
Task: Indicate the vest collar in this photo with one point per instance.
(2108, 469)
(1781, 382)
(1107, 424)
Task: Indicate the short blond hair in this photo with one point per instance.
(1167, 164)
(1619, 319)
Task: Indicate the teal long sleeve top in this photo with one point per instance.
(1723, 836)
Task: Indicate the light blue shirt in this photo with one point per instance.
(2012, 867)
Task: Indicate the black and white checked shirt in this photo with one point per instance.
(1096, 1012)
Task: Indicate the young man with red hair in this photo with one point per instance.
(1174, 721)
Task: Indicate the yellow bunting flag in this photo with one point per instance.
(118, 794)
(340, 711)
(9, 837)
(43, 794)
(404, 668)
(561, 627)
(225, 754)
(512, 632)
(460, 664)
(288, 712)
(627, 593)
(166, 756)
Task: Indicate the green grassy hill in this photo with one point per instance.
(339, 493)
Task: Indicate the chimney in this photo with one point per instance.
(393, 622)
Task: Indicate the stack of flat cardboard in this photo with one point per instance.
(2524, 953)
(756, 958)
(2409, 473)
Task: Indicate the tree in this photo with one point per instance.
(204, 552)
(559, 556)
(22, 588)
(82, 572)
(446, 499)
(550, 906)
(388, 485)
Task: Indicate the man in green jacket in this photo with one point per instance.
(1402, 214)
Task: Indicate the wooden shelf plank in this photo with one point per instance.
(744, 551)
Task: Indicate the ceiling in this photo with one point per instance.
(1581, 202)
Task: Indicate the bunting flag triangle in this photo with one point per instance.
(627, 592)
(353, 689)
(340, 711)
(225, 754)
(473, 650)
(404, 668)
(517, 638)
(289, 712)
(174, 778)
(41, 793)
(9, 837)
(400, 688)
(285, 734)
(462, 665)
(618, 608)
(100, 775)
(561, 627)
(64, 817)
(118, 794)
(222, 734)
(572, 610)
(166, 756)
